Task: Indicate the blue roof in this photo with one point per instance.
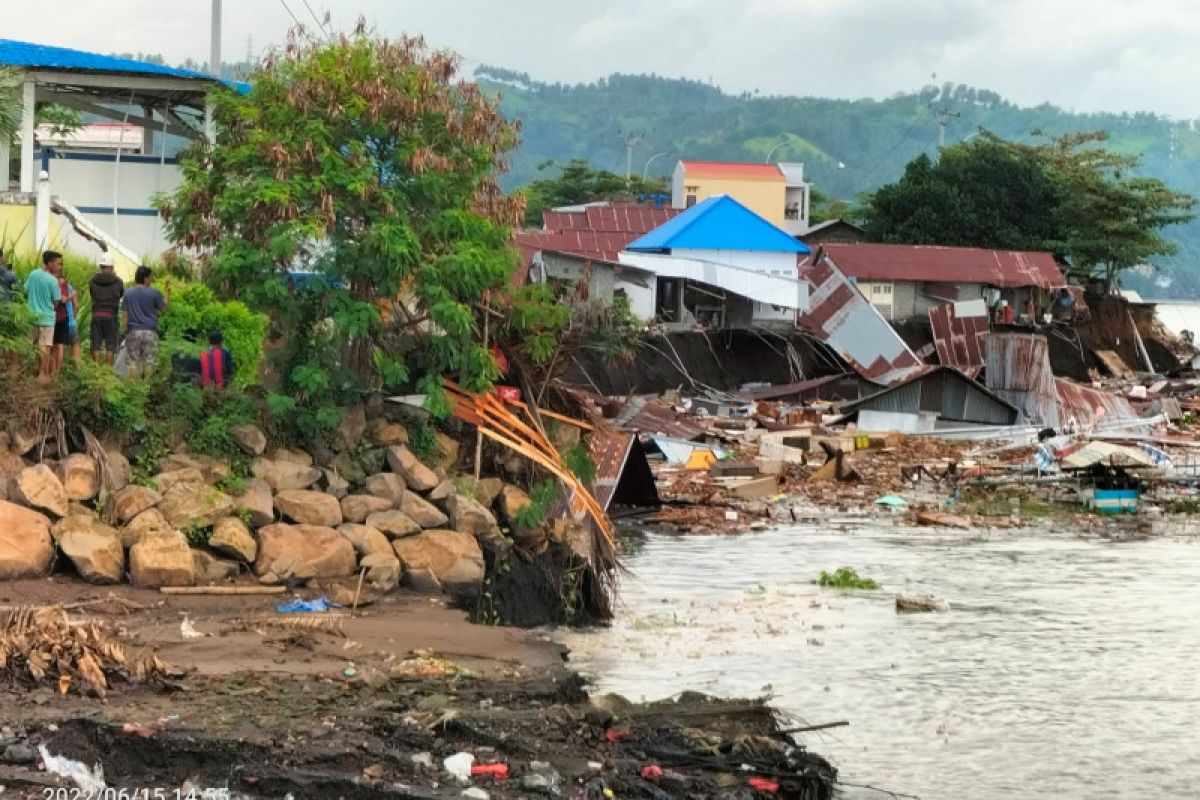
(40, 56)
(718, 223)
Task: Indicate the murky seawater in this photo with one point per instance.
(1066, 668)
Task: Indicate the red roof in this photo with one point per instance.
(930, 263)
(732, 169)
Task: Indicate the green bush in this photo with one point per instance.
(846, 578)
(17, 350)
(95, 397)
(195, 311)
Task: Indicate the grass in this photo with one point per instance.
(846, 578)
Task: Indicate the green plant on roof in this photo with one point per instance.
(846, 578)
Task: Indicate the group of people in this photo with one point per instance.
(53, 302)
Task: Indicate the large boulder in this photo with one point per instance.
(353, 426)
(127, 503)
(79, 476)
(334, 483)
(283, 476)
(443, 490)
(93, 547)
(250, 438)
(387, 434)
(210, 569)
(453, 557)
(423, 512)
(366, 540)
(232, 537)
(321, 552)
(357, 507)
(192, 505)
(389, 486)
(419, 477)
(511, 501)
(166, 480)
(468, 516)
(211, 469)
(384, 570)
(256, 499)
(11, 465)
(393, 524)
(119, 472)
(486, 490)
(23, 439)
(309, 508)
(149, 521)
(40, 489)
(447, 451)
(292, 455)
(161, 559)
(26, 548)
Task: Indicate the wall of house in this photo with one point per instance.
(770, 263)
(601, 279)
(754, 284)
(765, 198)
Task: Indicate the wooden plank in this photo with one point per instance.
(222, 590)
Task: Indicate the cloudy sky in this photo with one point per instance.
(1113, 55)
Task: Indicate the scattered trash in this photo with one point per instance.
(891, 501)
(497, 772)
(652, 772)
(89, 781)
(920, 603)
(350, 671)
(373, 772)
(756, 591)
(64, 684)
(846, 578)
(188, 631)
(459, 766)
(542, 777)
(763, 785)
(422, 760)
(943, 519)
(615, 735)
(426, 667)
(306, 606)
(475, 794)
(731, 516)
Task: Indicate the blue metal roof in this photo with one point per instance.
(718, 223)
(40, 56)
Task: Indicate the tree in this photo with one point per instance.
(353, 196)
(579, 182)
(10, 104)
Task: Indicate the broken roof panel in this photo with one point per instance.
(959, 330)
(842, 318)
(943, 390)
(650, 415)
(1017, 368)
(1086, 408)
(927, 263)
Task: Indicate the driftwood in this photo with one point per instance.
(222, 590)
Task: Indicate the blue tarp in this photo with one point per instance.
(306, 606)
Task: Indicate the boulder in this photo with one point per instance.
(393, 524)
(149, 521)
(40, 489)
(357, 507)
(250, 438)
(422, 580)
(79, 476)
(512, 499)
(80, 523)
(419, 477)
(348, 467)
(166, 480)
(191, 505)
(309, 548)
(26, 548)
(23, 439)
(232, 537)
(423, 512)
(486, 491)
(468, 516)
(94, 548)
(257, 500)
(389, 486)
(447, 447)
(292, 455)
(11, 465)
(384, 570)
(212, 470)
(353, 426)
(127, 503)
(453, 557)
(161, 559)
(349, 596)
(283, 476)
(120, 472)
(386, 433)
(366, 540)
(210, 569)
(443, 490)
(334, 484)
(309, 508)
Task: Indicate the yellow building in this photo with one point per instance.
(776, 192)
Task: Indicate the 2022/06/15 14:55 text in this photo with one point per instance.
(135, 794)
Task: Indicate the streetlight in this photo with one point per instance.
(650, 161)
(771, 152)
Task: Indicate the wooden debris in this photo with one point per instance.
(943, 519)
(222, 590)
(914, 603)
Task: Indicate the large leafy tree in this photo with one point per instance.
(578, 181)
(352, 194)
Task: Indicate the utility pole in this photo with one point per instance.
(631, 139)
(214, 68)
(943, 116)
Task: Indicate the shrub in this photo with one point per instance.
(195, 311)
(95, 397)
(846, 578)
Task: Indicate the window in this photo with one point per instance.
(691, 200)
(881, 290)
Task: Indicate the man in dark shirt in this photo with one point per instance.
(143, 304)
(106, 290)
(8, 280)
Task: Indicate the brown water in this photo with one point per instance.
(1066, 668)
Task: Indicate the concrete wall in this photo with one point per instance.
(765, 198)
(17, 232)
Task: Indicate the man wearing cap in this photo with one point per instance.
(106, 290)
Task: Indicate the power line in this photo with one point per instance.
(320, 25)
(295, 19)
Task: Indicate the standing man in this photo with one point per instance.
(8, 280)
(143, 304)
(43, 295)
(63, 337)
(106, 290)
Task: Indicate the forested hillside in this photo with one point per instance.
(874, 139)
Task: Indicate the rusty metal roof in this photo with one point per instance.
(959, 340)
(1091, 408)
(842, 318)
(651, 415)
(1017, 367)
(928, 263)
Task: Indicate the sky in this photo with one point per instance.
(1083, 55)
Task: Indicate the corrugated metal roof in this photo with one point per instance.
(609, 449)
(40, 56)
(732, 170)
(798, 389)
(650, 415)
(928, 263)
(942, 390)
(842, 318)
(1092, 408)
(959, 339)
(718, 223)
(1094, 453)
(1017, 368)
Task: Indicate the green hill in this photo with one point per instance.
(874, 139)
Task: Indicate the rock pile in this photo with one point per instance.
(373, 507)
